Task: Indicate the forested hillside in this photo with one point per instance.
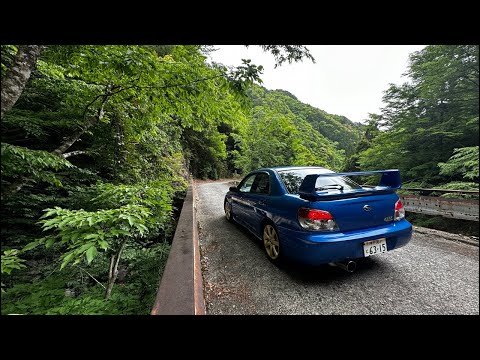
(283, 131)
(429, 126)
(97, 146)
(335, 128)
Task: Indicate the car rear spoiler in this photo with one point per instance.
(389, 182)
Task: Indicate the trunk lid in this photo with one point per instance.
(357, 213)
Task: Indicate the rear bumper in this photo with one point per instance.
(315, 249)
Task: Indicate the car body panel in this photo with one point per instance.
(323, 248)
(350, 213)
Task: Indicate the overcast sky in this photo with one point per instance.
(346, 80)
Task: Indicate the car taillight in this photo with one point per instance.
(320, 220)
(399, 211)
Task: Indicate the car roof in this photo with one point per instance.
(283, 168)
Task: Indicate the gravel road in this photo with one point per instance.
(431, 275)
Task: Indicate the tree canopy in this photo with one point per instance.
(429, 126)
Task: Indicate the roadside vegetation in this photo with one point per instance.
(98, 143)
(429, 129)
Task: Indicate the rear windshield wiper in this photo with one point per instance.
(328, 187)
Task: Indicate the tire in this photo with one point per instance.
(227, 207)
(271, 243)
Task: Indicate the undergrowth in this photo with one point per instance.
(74, 292)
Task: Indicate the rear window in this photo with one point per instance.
(292, 179)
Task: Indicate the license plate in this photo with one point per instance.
(374, 247)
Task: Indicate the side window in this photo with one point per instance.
(247, 184)
(261, 185)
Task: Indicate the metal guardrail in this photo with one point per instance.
(456, 208)
(181, 287)
(443, 190)
(466, 209)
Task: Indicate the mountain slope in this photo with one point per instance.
(283, 131)
(336, 128)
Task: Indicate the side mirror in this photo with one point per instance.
(233, 189)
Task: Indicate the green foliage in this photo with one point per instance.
(83, 232)
(276, 135)
(463, 162)
(133, 296)
(48, 297)
(19, 161)
(245, 75)
(459, 185)
(33, 298)
(352, 162)
(428, 119)
(134, 122)
(288, 53)
(335, 128)
(207, 153)
(11, 261)
(156, 196)
(7, 54)
(127, 212)
(456, 226)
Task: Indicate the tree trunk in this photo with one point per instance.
(70, 140)
(18, 75)
(13, 187)
(113, 272)
(73, 153)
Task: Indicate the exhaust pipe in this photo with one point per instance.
(348, 266)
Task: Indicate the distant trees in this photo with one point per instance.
(281, 132)
(430, 118)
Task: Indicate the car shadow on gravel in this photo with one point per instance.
(322, 274)
(325, 274)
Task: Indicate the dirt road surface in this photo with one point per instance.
(431, 275)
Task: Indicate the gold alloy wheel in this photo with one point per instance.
(228, 210)
(270, 241)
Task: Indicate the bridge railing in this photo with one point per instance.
(181, 286)
(466, 209)
(422, 190)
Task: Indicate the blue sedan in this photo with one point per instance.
(316, 216)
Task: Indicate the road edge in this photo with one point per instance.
(446, 235)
